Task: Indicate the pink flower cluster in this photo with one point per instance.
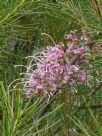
(57, 66)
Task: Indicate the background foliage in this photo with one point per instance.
(21, 24)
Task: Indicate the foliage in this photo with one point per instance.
(77, 111)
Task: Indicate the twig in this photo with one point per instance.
(96, 106)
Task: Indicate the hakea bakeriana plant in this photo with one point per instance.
(57, 66)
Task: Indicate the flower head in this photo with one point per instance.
(56, 68)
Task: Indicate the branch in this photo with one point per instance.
(96, 106)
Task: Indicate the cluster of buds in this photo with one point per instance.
(57, 66)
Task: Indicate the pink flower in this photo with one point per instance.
(72, 37)
(73, 68)
(82, 76)
(79, 51)
(85, 38)
(54, 69)
(53, 53)
(71, 50)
